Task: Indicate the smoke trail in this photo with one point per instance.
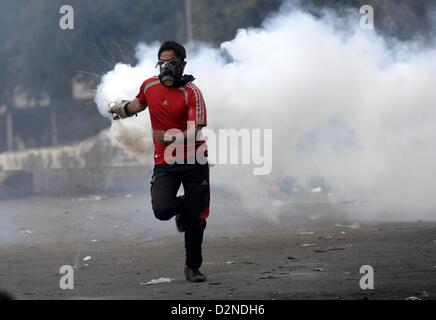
(343, 105)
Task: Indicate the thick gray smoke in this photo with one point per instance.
(342, 105)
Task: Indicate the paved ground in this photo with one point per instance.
(310, 254)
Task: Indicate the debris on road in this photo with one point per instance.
(27, 231)
(268, 278)
(325, 238)
(89, 199)
(156, 281)
(353, 226)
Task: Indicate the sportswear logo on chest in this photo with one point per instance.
(165, 103)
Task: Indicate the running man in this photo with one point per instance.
(175, 102)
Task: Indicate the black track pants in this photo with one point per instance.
(193, 206)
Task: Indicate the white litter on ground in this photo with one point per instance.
(27, 231)
(87, 258)
(156, 281)
(353, 226)
(89, 199)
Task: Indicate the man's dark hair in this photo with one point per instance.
(176, 47)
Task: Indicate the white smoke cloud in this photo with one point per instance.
(342, 105)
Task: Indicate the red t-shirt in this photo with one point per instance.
(172, 108)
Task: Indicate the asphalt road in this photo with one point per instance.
(115, 247)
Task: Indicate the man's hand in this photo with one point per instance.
(159, 136)
(118, 110)
(191, 133)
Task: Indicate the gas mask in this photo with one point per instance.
(171, 71)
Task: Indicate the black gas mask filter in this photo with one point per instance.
(171, 71)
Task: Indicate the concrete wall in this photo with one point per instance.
(15, 184)
(66, 182)
(98, 151)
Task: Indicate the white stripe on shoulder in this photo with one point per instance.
(200, 101)
(197, 106)
(185, 93)
(150, 84)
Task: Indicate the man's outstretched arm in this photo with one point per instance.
(125, 109)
